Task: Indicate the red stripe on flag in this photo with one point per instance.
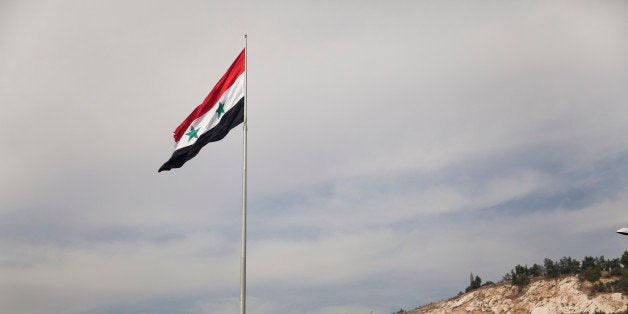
(225, 82)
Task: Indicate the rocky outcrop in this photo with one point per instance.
(563, 295)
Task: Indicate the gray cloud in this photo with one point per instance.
(392, 148)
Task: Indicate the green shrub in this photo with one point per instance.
(592, 274)
(624, 259)
(551, 269)
(600, 287)
(520, 276)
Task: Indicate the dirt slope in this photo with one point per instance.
(563, 295)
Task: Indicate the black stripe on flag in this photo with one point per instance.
(230, 120)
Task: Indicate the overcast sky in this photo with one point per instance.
(394, 147)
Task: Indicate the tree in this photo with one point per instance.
(520, 276)
(551, 270)
(613, 263)
(477, 282)
(601, 262)
(592, 274)
(568, 265)
(624, 259)
(474, 283)
(615, 267)
(588, 263)
(536, 270)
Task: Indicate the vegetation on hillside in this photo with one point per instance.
(590, 269)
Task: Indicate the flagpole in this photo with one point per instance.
(243, 256)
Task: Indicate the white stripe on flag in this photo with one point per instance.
(210, 119)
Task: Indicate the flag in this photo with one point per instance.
(221, 111)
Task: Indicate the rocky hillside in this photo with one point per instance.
(542, 295)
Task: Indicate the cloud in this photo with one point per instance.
(392, 149)
(84, 277)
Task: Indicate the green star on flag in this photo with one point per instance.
(192, 134)
(221, 109)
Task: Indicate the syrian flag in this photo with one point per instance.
(221, 111)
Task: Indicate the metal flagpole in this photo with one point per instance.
(243, 256)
